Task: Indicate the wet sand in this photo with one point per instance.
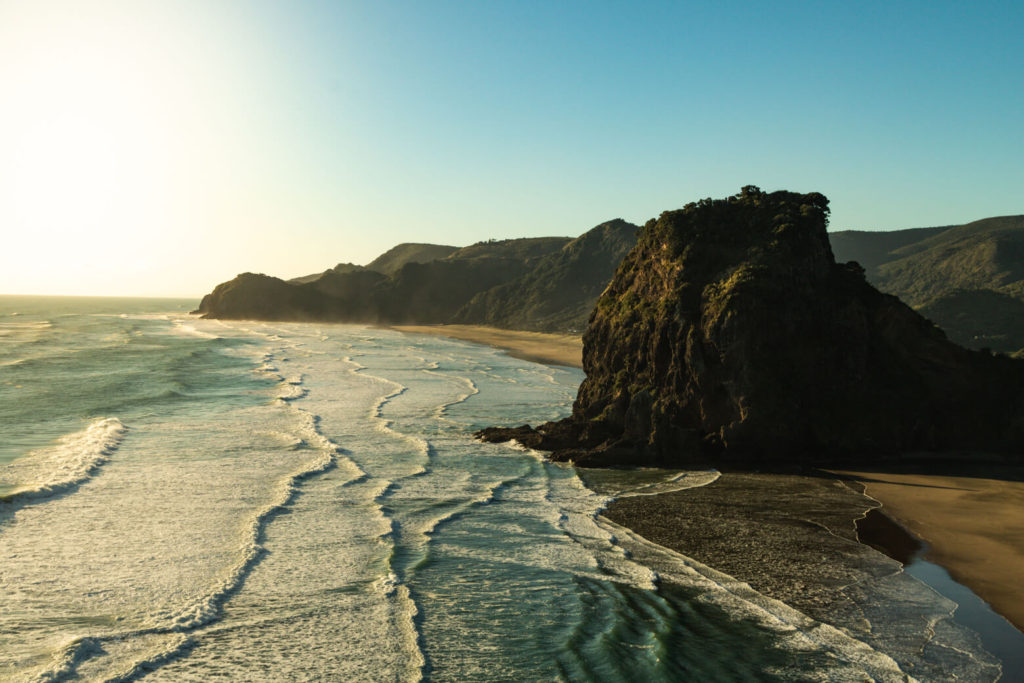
(974, 528)
(791, 537)
(540, 347)
(801, 539)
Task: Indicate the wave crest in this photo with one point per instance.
(66, 465)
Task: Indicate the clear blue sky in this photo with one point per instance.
(284, 137)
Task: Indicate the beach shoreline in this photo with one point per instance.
(539, 347)
(791, 537)
(973, 526)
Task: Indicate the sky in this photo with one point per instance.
(156, 148)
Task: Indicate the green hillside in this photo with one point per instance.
(872, 249)
(979, 318)
(558, 293)
(410, 283)
(409, 252)
(524, 248)
(966, 278)
(985, 254)
(340, 268)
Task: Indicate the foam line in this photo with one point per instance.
(383, 424)
(72, 461)
(207, 608)
(794, 627)
(191, 330)
(440, 413)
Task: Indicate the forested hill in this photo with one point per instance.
(541, 283)
(558, 293)
(969, 279)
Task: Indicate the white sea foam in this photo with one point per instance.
(192, 331)
(61, 468)
(206, 608)
(28, 325)
(415, 539)
(794, 629)
(441, 412)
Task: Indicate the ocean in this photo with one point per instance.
(191, 500)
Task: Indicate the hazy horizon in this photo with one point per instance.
(157, 149)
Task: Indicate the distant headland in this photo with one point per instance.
(968, 279)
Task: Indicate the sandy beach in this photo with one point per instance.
(541, 347)
(974, 527)
(790, 537)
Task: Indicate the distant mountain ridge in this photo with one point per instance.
(969, 279)
(431, 283)
(392, 260)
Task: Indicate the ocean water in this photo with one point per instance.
(187, 500)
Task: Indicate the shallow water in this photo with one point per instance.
(188, 500)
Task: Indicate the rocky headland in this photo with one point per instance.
(544, 284)
(729, 334)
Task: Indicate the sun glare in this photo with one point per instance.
(93, 131)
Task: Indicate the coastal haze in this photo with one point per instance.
(155, 149)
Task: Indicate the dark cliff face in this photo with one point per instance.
(730, 333)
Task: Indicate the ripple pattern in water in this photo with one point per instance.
(305, 502)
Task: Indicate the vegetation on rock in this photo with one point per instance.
(729, 333)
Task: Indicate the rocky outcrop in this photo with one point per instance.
(261, 297)
(730, 334)
(333, 296)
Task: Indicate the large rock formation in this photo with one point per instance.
(730, 333)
